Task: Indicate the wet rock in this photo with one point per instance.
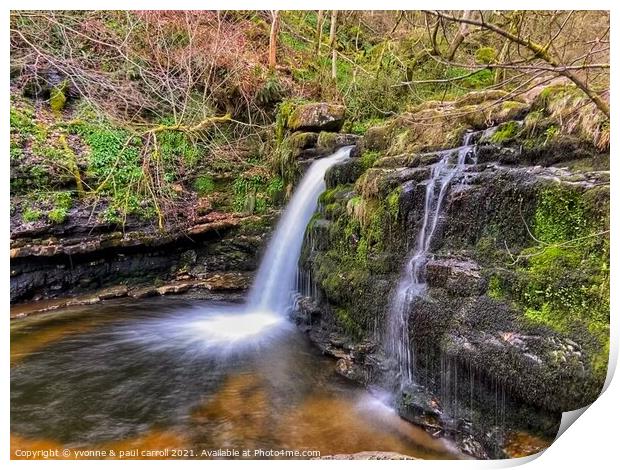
(113, 292)
(477, 97)
(328, 142)
(144, 293)
(308, 312)
(470, 446)
(419, 405)
(377, 138)
(302, 145)
(459, 277)
(177, 288)
(204, 205)
(316, 117)
(228, 282)
(344, 173)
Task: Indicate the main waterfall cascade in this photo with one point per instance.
(412, 281)
(275, 282)
(229, 329)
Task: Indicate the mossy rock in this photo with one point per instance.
(378, 137)
(58, 97)
(303, 140)
(316, 117)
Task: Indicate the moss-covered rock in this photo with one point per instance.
(516, 265)
(317, 117)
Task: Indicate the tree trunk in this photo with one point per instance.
(319, 32)
(500, 74)
(273, 38)
(332, 41)
(462, 33)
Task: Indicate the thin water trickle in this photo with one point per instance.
(412, 283)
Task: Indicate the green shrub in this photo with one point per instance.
(31, 215)
(57, 215)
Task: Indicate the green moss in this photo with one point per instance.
(505, 131)
(560, 215)
(329, 196)
(348, 323)
(495, 290)
(553, 93)
(485, 55)
(368, 158)
(204, 185)
(564, 282)
(327, 140)
(58, 97)
(393, 203)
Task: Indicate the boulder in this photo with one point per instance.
(316, 117)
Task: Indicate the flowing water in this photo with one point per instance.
(149, 375)
(136, 375)
(412, 281)
(276, 276)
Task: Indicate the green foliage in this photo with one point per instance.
(479, 80)
(62, 202)
(115, 166)
(177, 150)
(360, 127)
(21, 120)
(57, 215)
(31, 215)
(254, 194)
(204, 185)
(271, 91)
(485, 55)
(111, 216)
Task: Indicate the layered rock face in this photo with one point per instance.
(84, 255)
(512, 327)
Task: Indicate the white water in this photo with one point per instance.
(223, 330)
(275, 281)
(412, 281)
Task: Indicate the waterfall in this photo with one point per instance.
(221, 330)
(275, 281)
(412, 281)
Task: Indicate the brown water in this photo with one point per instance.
(141, 377)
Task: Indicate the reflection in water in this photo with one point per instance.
(144, 375)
